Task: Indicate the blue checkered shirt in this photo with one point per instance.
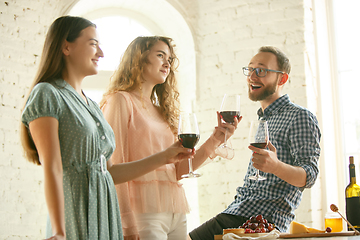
(295, 133)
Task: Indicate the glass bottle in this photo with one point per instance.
(352, 193)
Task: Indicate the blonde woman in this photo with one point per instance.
(141, 105)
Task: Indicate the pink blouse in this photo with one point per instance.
(140, 131)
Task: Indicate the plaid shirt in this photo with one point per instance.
(295, 133)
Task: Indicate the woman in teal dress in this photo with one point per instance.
(65, 132)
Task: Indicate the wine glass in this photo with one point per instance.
(258, 137)
(230, 108)
(188, 134)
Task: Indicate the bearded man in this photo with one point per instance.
(290, 161)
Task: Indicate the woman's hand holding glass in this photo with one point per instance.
(176, 152)
(189, 135)
(229, 114)
(224, 128)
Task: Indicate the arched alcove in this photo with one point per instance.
(167, 22)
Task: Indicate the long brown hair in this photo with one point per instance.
(51, 66)
(127, 77)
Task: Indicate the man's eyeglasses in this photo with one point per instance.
(260, 72)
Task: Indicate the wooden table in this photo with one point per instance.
(314, 236)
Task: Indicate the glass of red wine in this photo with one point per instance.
(189, 135)
(229, 109)
(258, 137)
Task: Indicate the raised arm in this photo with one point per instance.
(117, 113)
(209, 146)
(124, 172)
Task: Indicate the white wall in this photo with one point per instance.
(226, 35)
(23, 26)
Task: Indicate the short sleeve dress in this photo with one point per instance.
(86, 142)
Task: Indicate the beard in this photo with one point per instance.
(266, 92)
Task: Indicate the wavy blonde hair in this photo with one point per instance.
(51, 66)
(128, 77)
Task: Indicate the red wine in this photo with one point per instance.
(189, 140)
(228, 116)
(259, 145)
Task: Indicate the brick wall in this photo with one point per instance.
(23, 26)
(227, 34)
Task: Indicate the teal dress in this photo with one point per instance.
(86, 142)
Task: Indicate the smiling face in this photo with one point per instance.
(264, 88)
(158, 67)
(83, 54)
